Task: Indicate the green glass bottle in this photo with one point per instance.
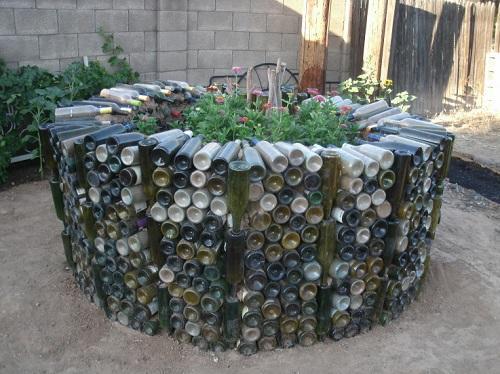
(448, 150)
(330, 177)
(390, 242)
(68, 249)
(100, 295)
(435, 216)
(147, 166)
(57, 197)
(232, 320)
(327, 247)
(401, 167)
(154, 238)
(88, 221)
(238, 189)
(151, 327)
(235, 247)
(379, 306)
(164, 311)
(324, 306)
(81, 174)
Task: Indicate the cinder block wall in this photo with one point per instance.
(180, 39)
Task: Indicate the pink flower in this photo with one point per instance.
(319, 98)
(219, 99)
(345, 109)
(243, 120)
(237, 70)
(267, 106)
(256, 92)
(344, 126)
(312, 91)
(335, 93)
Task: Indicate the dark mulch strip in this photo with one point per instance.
(22, 172)
(475, 177)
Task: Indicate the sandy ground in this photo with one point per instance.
(477, 136)
(47, 326)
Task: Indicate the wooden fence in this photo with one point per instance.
(434, 49)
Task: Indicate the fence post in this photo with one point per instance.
(313, 50)
(379, 24)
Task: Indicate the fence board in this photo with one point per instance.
(358, 31)
(438, 50)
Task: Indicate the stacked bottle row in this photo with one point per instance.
(249, 244)
(83, 152)
(422, 152)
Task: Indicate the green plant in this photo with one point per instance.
(121, 68)
(227, 117)
(146, 125)
(8, 144)
(29, 95)
(366, 88)
(403, 100)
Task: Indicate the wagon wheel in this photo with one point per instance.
(259, 78)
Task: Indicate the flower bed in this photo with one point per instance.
(248, 225)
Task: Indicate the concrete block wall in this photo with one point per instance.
(54, 33)
(178, 39)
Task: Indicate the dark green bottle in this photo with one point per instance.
(235, 247)
(147, 166)
(81, 174)
(47, 156)
(164, 311)
(401, 166)
(435, 216)
(238, 188)
(68, 248)
(232, 320)
(330, 176)
(379, 306)
(324, 306)
(390, 242)
(57, 197)
(183, 160)
(226, 154)
(151, 327)
(155, 236)
(327, 247)
(100, 296)
(448, 150)
(88, 221)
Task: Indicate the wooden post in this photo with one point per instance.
(378, 39)
(496, 47)
(346, 41)
(388, 38)
(313, 51)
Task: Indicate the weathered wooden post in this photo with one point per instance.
(314, 46)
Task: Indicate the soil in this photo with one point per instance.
(22, 172)
(48, 326)
(474, 176)
(477, 136)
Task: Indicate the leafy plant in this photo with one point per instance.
(29, 95)
(403, 100)
(146, 125)
(227, 117)
(121, 68)
(8, 144)
(366, 88)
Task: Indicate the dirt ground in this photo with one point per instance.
(47, 325)
(477, 136)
